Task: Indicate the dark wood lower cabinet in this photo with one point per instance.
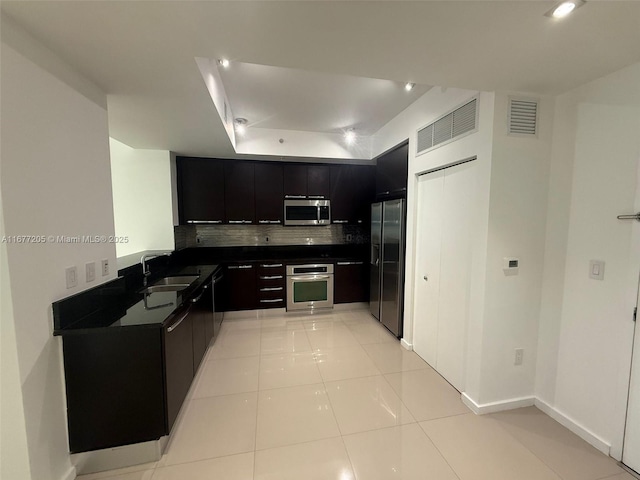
(127, 385)
(115, 386)
(241, 287)
(178, 354)
(351, 282)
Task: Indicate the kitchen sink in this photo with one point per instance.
(163, 288)
(177, 281)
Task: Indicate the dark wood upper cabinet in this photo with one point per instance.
(352, 192)
(391, 172)
(239, 192)
(295, 180)
(319, 181)
(269, 193)
(201, 190)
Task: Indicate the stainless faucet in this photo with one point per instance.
(145, 268)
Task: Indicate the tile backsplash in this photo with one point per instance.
(264, 235)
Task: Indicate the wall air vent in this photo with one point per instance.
(448, 127)
(523, 116)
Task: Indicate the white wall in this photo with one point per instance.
(14, 453)
(517, 216)
(428, 108)
(586, 325)
(55, 180)
(142, 198)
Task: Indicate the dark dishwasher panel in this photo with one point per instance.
(178, 357)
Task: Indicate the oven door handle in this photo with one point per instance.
(309, 278)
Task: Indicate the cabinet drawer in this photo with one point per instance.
(266, 269)
(271, 279)
(278, 302)
(277, 291)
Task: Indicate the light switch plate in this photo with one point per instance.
(90, 271)
(105, 267)
(71, 275)
(596, 269)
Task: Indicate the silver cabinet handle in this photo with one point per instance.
(263, 222)
(349, 263)
(177, 323)
(204, 221)
(272, 277)
(275, 300)
(271, 289)
(236, 221)
(195, 300)
(296, 196)
(271, 265)
(316, 197)
(340, 221)
(243, 267)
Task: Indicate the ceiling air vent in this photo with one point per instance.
(523, 116)
(448, 127)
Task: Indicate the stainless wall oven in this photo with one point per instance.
(309, 286)
(307, 212)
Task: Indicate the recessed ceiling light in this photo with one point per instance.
(223, 62)
(409, 86)
(563, 9)
(350, 135)
(241, 125)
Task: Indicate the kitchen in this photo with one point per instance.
(33, 203)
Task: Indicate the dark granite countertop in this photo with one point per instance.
(117, 305)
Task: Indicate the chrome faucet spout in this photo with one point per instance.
(145, 268)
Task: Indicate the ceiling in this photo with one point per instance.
(283, 98)
(142, 53)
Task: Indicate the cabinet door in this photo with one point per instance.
(239, 192)
(391, 172)
(269, 178)
(241, 287)
(319, 181)
(351, 282)
(178, 358)
(295, 181)
(352, 192)
(200, 190)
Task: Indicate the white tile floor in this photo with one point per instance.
(335, 397)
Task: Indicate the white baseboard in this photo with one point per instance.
(71, 474)
(406, 345)
(118, 457)
(483, 409)
(566, 421)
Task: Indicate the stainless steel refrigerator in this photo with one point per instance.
(387, 263)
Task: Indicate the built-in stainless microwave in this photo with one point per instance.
(307, 212)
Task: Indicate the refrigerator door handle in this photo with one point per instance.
(375, 254)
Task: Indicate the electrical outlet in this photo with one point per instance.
(90, 271)
(519, 356)
(71, 274)
(105, 267)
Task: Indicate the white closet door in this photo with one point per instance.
(455, 267)
(428, 241)
(443, 255)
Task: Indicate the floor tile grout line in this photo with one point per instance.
(439, 452)
(560, 477)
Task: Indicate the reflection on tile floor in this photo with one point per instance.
(335, 397)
